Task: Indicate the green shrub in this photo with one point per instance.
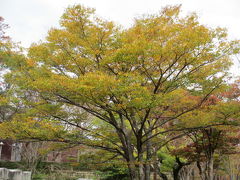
(113, 172)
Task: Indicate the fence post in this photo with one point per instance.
(3, 173)
(15, 174)
(26, 175)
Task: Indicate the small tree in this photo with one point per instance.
(207, 144)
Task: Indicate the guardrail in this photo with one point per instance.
(14, 174)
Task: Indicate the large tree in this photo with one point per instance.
(95, 84)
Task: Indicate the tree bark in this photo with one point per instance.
(177, 168)
(210, 174)
(149, 156)
(133, 172)
(200, 170)
(141, 167)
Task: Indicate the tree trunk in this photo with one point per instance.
(176, 169)
(155, 174)
(210, 169)
(133, 171)
(147, 171)
(176, 174)
(141, 167)
(163, 176)
(149, 156)
(200, 170)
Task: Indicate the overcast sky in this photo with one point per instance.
(29, 20)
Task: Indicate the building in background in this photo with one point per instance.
(10, 151)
